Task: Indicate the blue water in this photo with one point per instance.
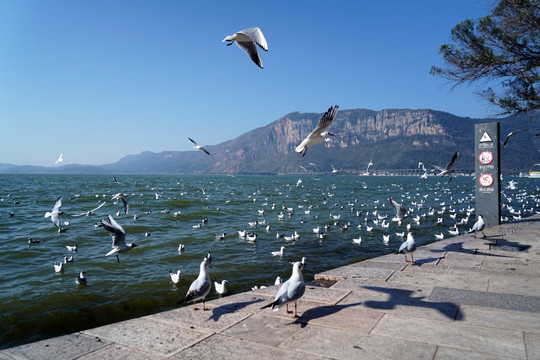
(39, 303)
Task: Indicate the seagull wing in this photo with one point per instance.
(100, 205)
(55, 214)
(203, 149)
(511, 133)
(452, 161)
(116, 231)
(193, 141)
(124, 201)
(326, 120)
(257, 36)
(400, 210)
(249, 47)
(403, 247)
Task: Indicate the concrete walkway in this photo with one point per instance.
(463, 298)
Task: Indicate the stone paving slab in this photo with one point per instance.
(224, 347)
(62, 347)
(338, 344)
(487, 299)
(501, 319)
(458, 335)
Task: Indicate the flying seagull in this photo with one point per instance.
(448, 169)
(511, 133)
(478, 226)
(198, 147)
(319, 135)
(118, 235)
(400, 210)
(291, 290)
(55, 213)
(201, 286)
(246, 39)
(60, 159)
(124, 201)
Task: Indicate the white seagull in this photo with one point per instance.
(124, 201)
(448, 169)
(200, 287)
(478, 226)
(118, 235)
(291, 290)
(246, 40)
(280, 252)
(55, 213)
(198, 147)
(221, 288)
(60, 159)
(408, 246)
(400, 210)
(175, 277)
(319, 135)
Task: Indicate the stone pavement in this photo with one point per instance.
(463, 298)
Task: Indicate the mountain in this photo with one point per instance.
(393, 138)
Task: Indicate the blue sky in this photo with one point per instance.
(98, 80)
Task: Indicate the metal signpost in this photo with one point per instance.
(488, 173)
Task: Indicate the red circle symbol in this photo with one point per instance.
(486, 157)
(486, 180)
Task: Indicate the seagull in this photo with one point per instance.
(198, 147)
(221, 288)
(278, 280)
(200, 287)
(175, 277)
(246, 39)
(181, 248)
(68, 259)
(408, 246)
(59, 267)
(72, 247)
(115, 181)
(478, 226)
(55, 213)
(118, 235)
(291, 290)
(319, 135)
(439, 236)
(124, 201)
(400, 210)
(511, 133)
(81, 280)
(448, 169)
(88, 213)
(280, 252)
(334, 171)
(60, 159)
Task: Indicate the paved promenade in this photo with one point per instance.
(462, 299)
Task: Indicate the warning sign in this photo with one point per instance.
(486, 180)
(486, 157)
(486, 138)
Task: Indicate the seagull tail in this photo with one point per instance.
(272, 305)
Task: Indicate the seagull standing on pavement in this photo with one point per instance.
(200, 287)
(408, 246)
(478, 226)
(319, 135)
(198, 147)
(246, 40)
(291, 290)
(118, 235)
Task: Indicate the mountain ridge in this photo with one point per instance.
(393, 138)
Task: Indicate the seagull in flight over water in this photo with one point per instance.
(60, 159)
(511, 133)
(118, 235)
(448, 169)
(246, 40)
(319, 135)
(198, 147)
(55, 213)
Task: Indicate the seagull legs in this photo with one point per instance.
(117, 258)
(305, 151)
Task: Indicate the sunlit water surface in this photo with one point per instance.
(39, 303)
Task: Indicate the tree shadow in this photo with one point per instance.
(404, 297)
(232, 307)
(319, 312)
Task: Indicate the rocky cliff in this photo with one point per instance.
(394, 139)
